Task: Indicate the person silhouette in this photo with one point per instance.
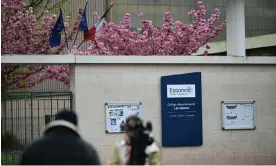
(125, 148)
(61, 144)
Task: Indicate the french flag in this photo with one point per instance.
(96, 29)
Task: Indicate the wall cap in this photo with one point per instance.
(88, 59)
(32, 59)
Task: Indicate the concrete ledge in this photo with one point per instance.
(77, 59)
(174, 60)
(32, 59)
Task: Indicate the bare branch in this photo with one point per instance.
(26, 76)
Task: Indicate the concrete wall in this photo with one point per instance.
(96, 84)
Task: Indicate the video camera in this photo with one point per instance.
(140, 142)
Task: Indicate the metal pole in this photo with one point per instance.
(32, 127)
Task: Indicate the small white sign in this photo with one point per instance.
(181, 91)
(238, 115)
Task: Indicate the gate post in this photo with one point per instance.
(4, 114)
(72, 86)
(32, 118)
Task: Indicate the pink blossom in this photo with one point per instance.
(21, 33)
(173, 38)
(140, 14)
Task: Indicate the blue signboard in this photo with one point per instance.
(181, 104)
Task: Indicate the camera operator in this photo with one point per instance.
(138, 147)
(61, 144)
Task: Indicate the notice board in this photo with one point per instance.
(116, 115)
(181, 109)
(238, 115)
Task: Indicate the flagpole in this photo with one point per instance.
(80, 44)
(104, 15)
(79, 27)
(66, 39)
(76, 37)
(65, 34)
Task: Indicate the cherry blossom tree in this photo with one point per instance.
(173, 38)
(22, 34)
(39, 6)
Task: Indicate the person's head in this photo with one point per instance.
(133, 125)
(68, 116)
(65, 120)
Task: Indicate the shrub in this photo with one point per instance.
(10, 142)
(8, 159)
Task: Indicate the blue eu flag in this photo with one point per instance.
(83, 27)
(55, 36)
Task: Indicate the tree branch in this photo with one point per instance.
(45, 6)
(11, 70)
(26, 76)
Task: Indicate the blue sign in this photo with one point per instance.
(181, 102)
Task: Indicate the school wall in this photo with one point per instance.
(97, 83)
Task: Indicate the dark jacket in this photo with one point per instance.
(61, 145)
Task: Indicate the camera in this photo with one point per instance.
(140, 142)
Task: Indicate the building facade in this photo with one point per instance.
(260, 15)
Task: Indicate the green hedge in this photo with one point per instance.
(11, 149)
(10, 142)
(10, 158)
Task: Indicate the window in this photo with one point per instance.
(260, 15)
(152, 9)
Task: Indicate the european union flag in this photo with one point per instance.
(55, 36)
(83, 27)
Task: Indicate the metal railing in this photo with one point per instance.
(24, 116)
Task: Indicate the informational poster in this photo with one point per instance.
(181, 104)
(238, 115)
(116, 115)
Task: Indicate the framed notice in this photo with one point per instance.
(116, 115)
(238, 115)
